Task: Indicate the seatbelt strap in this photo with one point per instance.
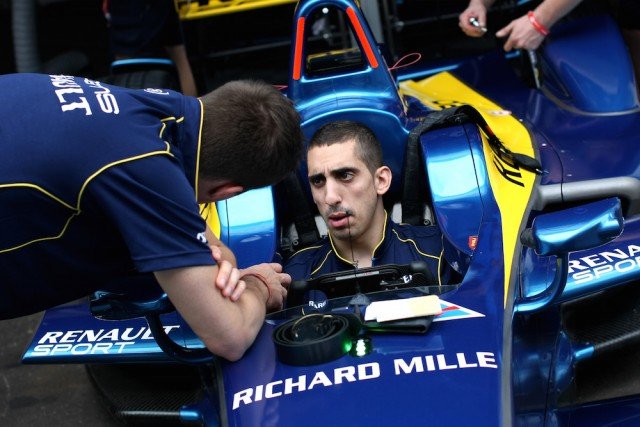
(303, 217)
(414, 186)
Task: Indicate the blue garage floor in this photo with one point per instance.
(52, 395)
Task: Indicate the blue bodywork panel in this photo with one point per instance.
(248, 225)
(455, 167)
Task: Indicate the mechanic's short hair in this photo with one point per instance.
(250, 134)
(368, 148)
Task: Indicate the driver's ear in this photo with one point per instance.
(382, 180)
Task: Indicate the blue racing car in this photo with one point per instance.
(529, 166)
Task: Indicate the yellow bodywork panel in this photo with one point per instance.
(511, 185)
(188, 10)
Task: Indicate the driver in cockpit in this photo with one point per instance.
(348, 180)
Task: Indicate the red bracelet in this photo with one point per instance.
(537, 25)
(262, 279)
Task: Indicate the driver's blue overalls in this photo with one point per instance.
(402, 244)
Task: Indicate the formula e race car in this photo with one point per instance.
(529, 166)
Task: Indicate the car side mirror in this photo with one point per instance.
(565, 231)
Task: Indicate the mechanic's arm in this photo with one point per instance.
(477, 9)
(229, 285)
(224, 252)
(521, 32)
(226, 328)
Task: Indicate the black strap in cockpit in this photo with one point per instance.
(303, 214)
(414, 179)
(414, 185)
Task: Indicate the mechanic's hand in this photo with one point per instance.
(475, 10)
(216, 252)
(228, 278)
(522, 35)
(276, 280)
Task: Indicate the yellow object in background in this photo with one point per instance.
(188, 9)
(209, 213)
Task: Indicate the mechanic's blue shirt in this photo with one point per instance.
(97, 182)
(401, 244)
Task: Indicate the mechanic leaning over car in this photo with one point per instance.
(99, 182)
(348, 180)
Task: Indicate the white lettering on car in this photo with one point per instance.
(91, 341)
(440, 363)
(366, 371)
(597, 266)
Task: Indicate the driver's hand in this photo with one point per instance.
(276, 280)
(521, 35)
(475, 10)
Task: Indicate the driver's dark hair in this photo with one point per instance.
(368, 148)
(250, 134)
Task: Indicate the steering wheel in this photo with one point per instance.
(363, 280)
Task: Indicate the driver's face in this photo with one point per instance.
(343, 189)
